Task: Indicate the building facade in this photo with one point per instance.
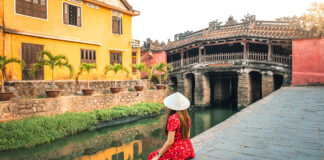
(92, 31)
(153, 53)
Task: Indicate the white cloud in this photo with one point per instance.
(161, 19)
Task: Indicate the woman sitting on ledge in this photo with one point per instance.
(178, 145)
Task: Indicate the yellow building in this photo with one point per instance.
(93, 31)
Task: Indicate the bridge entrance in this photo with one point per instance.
(256, 86)
(189, 84)
(278, 81)
(223, 87)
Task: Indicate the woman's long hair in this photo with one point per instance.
(184, 122)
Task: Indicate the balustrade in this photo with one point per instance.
(280, 58)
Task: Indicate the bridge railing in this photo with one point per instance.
(282, 58)
(191, 60)
(258, 56)
(276, 57)
(223, 56)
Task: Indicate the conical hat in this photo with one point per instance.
(177, 102)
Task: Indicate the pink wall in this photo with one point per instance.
(308, 61)
(157, 57)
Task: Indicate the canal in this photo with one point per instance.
(123, 142)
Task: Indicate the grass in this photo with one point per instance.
(32, 131)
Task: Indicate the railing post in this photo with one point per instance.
(246, 49)
(181, 60)
(199, 53)
(269, 51)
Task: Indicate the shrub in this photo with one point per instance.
(40, 129)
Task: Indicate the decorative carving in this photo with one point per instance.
(181, 36)
(248, 18)
(230, 21)
(149, 45)
(214, 24)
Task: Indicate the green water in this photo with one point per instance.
(129, 141)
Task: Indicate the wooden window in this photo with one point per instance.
(117, 27)
(29, 55)
(115, 58)
(33, 8)
(71, 14)
(88, 56)
(134, 61)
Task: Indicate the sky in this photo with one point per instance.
(162, 19)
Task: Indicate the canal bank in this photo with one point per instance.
(288, 124)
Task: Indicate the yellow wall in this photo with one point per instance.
(96, 29)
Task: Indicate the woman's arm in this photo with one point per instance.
(167, 144)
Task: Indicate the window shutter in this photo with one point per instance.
(79, 17)
(121, 26)
(65, 13)
(115, 24)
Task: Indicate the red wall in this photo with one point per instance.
(157, 57)
(308, 61)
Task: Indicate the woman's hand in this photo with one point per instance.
(156, 158)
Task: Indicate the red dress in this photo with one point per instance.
(181, 149)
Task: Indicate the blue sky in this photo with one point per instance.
(162, 19)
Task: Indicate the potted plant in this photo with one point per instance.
(86, 67)
(4, 61)
(141, 68)
(115, 68)
(161, 72)
(46, 58)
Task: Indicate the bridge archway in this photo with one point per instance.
(256, 86)
(174, 83)
(189, 87)
(278, 81)
(223, 87)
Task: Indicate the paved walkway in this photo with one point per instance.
(288, 124)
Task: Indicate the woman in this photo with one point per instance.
(178, 145)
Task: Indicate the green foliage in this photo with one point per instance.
(142, 68)
(85, 67)
(37, 130)
(46, 58)
(4, 61)
(115, 68)
(161, 68)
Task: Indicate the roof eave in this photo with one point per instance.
(132, 13)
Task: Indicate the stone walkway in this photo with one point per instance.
(288, 124)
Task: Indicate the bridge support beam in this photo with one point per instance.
(267, 83)
(202, 90)
(243, 90)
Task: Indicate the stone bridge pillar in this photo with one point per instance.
(202, 90)
(243, 90)
(181, 85)
(267, 83)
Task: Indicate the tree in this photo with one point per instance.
(46, 58)
(115, 68)
(161, 68)
(313, 20)
(4, 61)
(85, 67)
(141, 68)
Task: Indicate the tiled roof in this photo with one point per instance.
(153, 46)
(257, 29)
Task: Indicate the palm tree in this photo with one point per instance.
(115, 68)
(52, 62)
(161, 68)
(142, 68)
(85, 67)
(3, 63)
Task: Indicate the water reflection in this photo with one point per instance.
(124, 142)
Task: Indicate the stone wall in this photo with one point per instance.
(36, 89)
(18, 109)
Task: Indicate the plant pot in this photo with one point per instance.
(5, 96)
(139, 88)
(53, 93)
(87, 92)
(115, 89)
(160, 86)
